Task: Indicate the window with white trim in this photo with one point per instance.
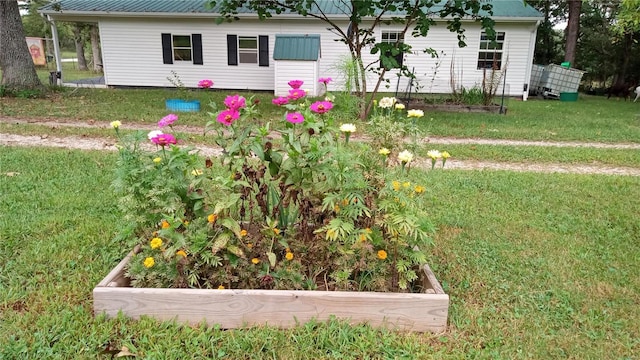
(248, 49)
(490, 54)
(394, 37)
(181, 47)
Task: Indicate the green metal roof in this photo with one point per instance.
(501, 8)
(297, 47)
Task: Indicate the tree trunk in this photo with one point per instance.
(18, 70)
(79, 41)
(621, 76)
(95, 49)
(573, 30)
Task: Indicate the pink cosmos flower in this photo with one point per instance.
(295, 118)
(280, 101)
(205, 84)
(295, 94)
(167, 120)
(164, 139)
(295, 84)
(325, 80)
(227, 117)
(235, 102)
(321, 107)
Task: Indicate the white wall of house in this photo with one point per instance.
(307, 71)
(132, 55)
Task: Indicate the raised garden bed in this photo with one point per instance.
(235, 308)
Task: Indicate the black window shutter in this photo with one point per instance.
(232, 50)
(167, 52)
(263, 50)
(196, 43)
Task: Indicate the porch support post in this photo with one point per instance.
(56, 49)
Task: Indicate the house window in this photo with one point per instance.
(187, 48)
(248, 49)
(181, 47)
(490, 54)
(396, 38)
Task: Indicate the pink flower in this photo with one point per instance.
(295, 118)
(205, 84)
(321, 107)
(280, 101)
(167, 120)
(325, 80)
(235, 102)
(295, 94)
(295, 84)
(164, 139)
(227, 117)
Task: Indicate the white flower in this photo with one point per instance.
(115, 124)
(387, 102)
(434, 154)
(405, 156)
(399, 106)
(153, 134)
(348, 128)
(415, 113)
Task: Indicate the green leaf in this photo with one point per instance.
(236, 251)
(221, 242)
(272, 258)
(232, 225)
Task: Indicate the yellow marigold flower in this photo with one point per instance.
(406, 184)
(250, 245)
(419, 189)
(330, 232)
(196, 172)
(399, 106)
(157, 160)
(384, 151)
(382, 254)
(445, 155)
(363, 237)
(368, 230)
(165, 224)
(156, 242)
(243, 232)
(289, 256)
(255, 260)
(185, 223)
(276, 231)
(221, 287)
(115, 124)
(149, 262)
(396, 185)
(345, 202)
(212, 218)
(336, 208)
(181, 253)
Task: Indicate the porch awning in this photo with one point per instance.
(297, 47)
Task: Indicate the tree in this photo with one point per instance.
(416, 16)
(573, 30)
(80, 40)
(18, 70)
(549, 40)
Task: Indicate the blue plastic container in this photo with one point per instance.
(183, 105)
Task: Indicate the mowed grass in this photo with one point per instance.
(591, 118)
(537, 266)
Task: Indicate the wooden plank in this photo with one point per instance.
(282, 308)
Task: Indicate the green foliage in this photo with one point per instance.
(307, 211)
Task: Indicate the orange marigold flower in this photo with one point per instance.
(181, 253)
(345, 202)
(221, 287)
(212, 218)
(255, 260)
(382, 254)
(276, 231)
(363, 237)
(419, 189)
(243, 232)
(289, 256)
(250, 245)
(165, 224)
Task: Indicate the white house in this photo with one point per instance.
(143, 41)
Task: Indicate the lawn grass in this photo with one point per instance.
(537, 266)
(591, 118)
